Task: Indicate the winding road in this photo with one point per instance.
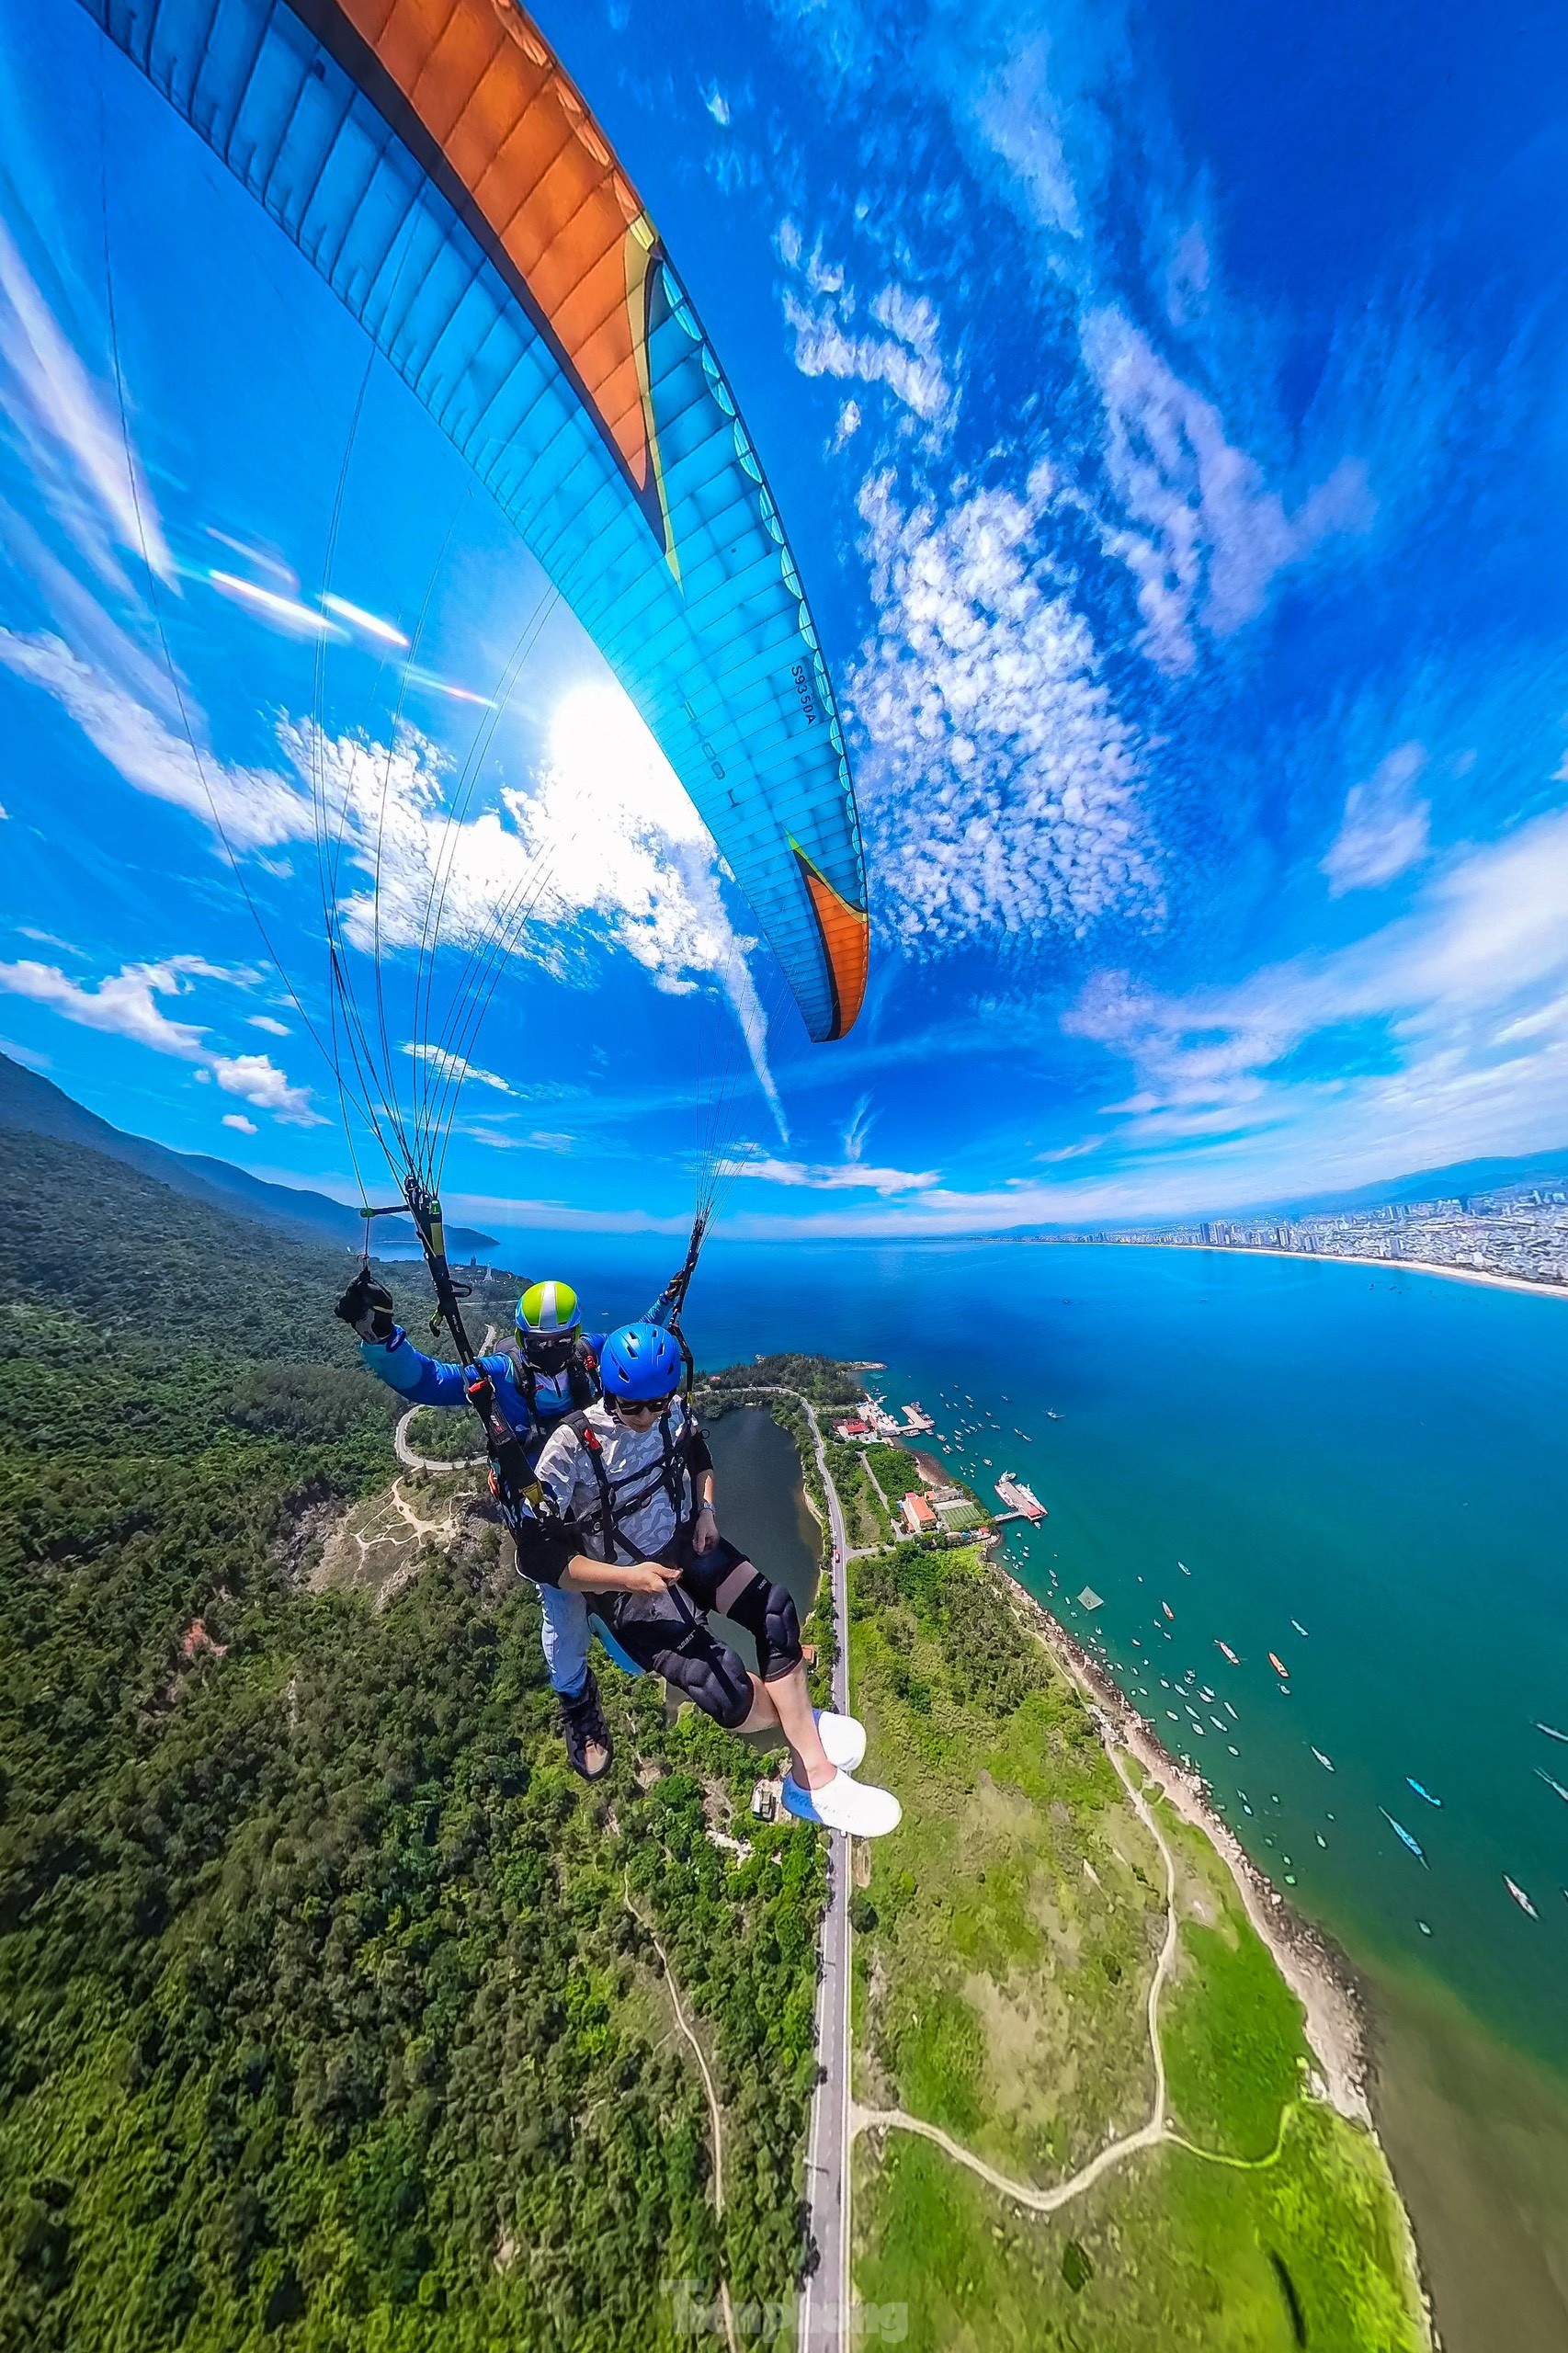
(412, 1461)
(825, 2316)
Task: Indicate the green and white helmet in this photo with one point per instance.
(546, 1310)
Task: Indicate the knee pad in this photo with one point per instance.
(778, 1634)
(715, 1679)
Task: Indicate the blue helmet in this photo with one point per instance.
(641, 1360)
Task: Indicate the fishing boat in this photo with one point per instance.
(1170, 1613)
(1402, 1834)
(1520, 1898)
(1551, 1732)
(1279, 1666)
(1421, 1792)
(1301, 1628)
(1327, 1762)
(1550, 1784)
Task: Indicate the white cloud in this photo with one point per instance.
(457, 1067)
(848, 1176)
(255, 807)
(1206, 536)
(1017, 117)
(906, 356)
(1384, 827)
(48, 395)
(1467, 992)
(606, 847)
(717, 103)
(241, 1125)
(266, 1021)
(1449, 992)
(1002, 787)
(125, 1004)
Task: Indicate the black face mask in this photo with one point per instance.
(549, 1351)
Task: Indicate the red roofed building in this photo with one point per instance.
(919, 1517)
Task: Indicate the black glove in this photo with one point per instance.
(366, 1304)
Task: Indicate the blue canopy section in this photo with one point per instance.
(436, 166)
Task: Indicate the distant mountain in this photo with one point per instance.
(37, 1107)
(1461, 1178)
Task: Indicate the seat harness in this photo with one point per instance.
(620, 1500)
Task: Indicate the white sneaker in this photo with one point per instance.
(843, 1738)
(853, 1807)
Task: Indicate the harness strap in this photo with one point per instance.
(670, 1473)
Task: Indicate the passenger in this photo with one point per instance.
(632, 1479)
(551, 1371)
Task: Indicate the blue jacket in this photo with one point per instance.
(420, 1380)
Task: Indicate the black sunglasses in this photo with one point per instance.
(642, 1405)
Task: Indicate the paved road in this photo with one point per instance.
(825, 2320)
(412, 1461)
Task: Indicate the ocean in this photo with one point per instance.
(1361, 1469)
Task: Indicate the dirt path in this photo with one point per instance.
(1158, 2132)
(445, 1529)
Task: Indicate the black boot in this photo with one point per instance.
(586, 1734)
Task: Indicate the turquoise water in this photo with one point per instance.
(1375, 1454)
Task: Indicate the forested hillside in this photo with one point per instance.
(327, 2019)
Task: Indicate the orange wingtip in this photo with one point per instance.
(847, 943)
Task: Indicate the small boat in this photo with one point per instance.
(1300, 1628)
(1279, 1666)
(1520, 1898)
(1229, 1653)
(1327, 1762)
(1551, 1732)
(1051, 1417)
(1402, 1834)
(1232, 1713)
(1421, 1792)
(1550, 1784)
(1319, 1836)
(1183, 1567)
(1170, 1613)
(1424, 1929)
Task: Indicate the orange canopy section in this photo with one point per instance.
(845, 938)
(490, 94)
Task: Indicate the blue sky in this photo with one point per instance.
(1167, 409)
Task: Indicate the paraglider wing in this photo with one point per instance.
(434, 164)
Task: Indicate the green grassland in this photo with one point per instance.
(325, 2019)
(1001, 1994)
(866, 1519)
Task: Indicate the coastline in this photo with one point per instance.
(1333, 2004)
(1361, 1258)
(1317, 1973)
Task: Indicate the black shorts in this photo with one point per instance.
(667, 1634)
